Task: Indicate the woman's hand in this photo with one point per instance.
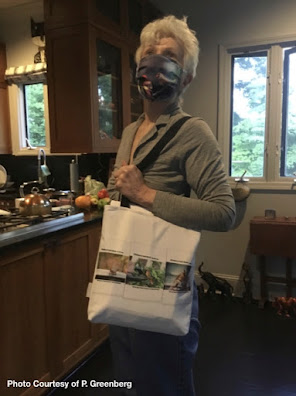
(129, 181)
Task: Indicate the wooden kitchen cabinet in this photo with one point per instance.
(5, 139)
(69, 265)
(23, 339)
(44, 329)
(92, 92)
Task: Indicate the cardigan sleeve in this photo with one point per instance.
(196, 149)
(213, 208)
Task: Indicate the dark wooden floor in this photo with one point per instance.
(243, 351)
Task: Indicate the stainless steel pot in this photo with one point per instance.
(35, 204)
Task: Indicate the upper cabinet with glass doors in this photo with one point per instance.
(136, 106)
(91, 71)
(109, 80)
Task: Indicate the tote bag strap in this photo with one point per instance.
(156, 150)
(152, 156)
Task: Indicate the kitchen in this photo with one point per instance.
(46, 267)
(245, 23)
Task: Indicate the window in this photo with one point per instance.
(257, 111)
(30, 130)
(34, 114)
(29, 108)
(248, 111)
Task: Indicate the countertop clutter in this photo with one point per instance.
(16, 229)
(37, 215)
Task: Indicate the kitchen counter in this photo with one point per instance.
(12, 239)
(44, 275)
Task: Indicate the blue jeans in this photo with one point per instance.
(157, 364)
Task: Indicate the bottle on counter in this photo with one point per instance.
(74, 176)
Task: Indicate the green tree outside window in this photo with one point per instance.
(34, 107)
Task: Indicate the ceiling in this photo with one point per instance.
(4, 4)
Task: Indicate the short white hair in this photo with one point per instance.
(175, 28)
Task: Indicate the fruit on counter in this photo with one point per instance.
(83, 201)
(103, 201)
(103, 193)
(89, 201)
(94, 200)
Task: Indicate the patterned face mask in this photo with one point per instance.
(158, 77)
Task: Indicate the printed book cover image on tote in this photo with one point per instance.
(144, 272)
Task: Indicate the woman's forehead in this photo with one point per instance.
(163, 41)
(166, 44)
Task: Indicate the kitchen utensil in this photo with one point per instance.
(22, 187)
(74, 176)
(43, 170)
(58, 198)
(52, 193)
(35, 204)
(3, 176)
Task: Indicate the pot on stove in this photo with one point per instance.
(51, 193)
(35, 204)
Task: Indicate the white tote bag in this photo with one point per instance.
(144, 274)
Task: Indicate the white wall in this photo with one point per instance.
(15, 32)
(226, 22)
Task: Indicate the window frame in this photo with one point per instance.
(286, 80)
(18, 120)
(273, 123)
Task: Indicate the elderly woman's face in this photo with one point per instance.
(167, 47)
(160, 73)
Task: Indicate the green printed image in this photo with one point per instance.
(146, 273)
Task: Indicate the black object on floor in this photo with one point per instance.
(243, 351)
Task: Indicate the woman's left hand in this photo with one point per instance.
(130, 182)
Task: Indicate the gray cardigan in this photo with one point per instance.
(192, 156)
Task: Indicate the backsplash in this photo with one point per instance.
(24, 168)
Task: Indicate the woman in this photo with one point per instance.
(160, 364)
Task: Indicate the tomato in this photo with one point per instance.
(103, 193)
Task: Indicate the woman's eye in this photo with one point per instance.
(171, 55)
(148, 51)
